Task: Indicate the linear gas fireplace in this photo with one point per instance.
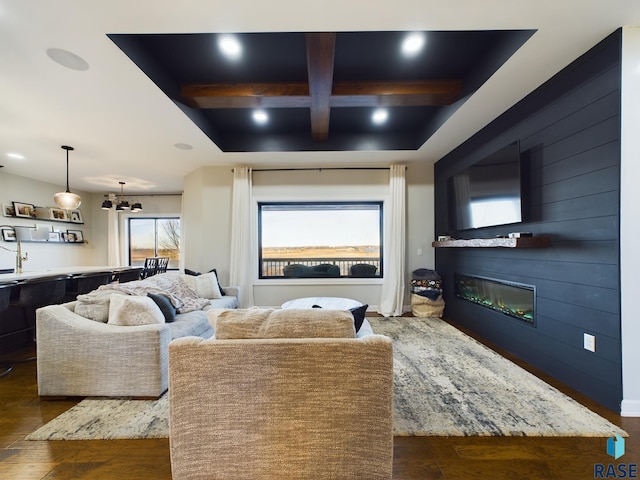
(514, 299)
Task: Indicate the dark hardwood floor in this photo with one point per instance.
(415, 458)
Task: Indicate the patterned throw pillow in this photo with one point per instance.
(95, 305)
(206, 285)
(134, 310)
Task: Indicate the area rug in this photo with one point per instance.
(445, 384)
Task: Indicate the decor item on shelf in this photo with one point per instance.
(8, 210)
(8, 234)
(67, 200)
(25, 210)
(58, 214)
(123, 204)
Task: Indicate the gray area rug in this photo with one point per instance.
(446, 384)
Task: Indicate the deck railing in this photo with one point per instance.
(274, 267)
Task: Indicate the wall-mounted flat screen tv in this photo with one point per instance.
(487, 193)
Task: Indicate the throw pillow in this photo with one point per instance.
(358, 316)
(205, 285)
(193, 273)
(94, 305)
(165, 306)
(218, 278)
(285, 323)
(134, 310)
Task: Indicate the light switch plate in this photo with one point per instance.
(589, 342)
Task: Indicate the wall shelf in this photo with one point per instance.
(523, 242)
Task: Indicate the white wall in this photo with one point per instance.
(206, 220)
(151, 206)
(45, 255)
(207, 223)
(629, 224)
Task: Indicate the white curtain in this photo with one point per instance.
(241, 261)
(113, 234)
(392, 294)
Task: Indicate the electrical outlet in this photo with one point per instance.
(419, 252)
(589, 342)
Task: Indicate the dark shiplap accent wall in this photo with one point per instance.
(569, 130)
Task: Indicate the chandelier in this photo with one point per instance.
(122, 204)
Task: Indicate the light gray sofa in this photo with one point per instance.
(78, 356)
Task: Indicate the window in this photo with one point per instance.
(320, 239)
(154, 237)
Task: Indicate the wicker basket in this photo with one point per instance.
(425, 307)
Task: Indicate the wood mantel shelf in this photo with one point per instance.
(523, 242)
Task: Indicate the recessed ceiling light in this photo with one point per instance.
(15, 156)
(67, 59)
(183, 146)
(230, 46)
(260, 117)
(413, 44)
(380, 116)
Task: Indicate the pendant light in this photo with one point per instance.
(124, 204)
(67, 200)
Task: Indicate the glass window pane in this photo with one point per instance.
(169, 240)
(142, 240)
(154, 237)
(320, 239)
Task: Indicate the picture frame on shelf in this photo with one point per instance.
(8, 210)
(75, 216)
(58, 214)
(24, 210)
(54, 236)
(75, 236)
(9, 235)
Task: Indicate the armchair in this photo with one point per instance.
(280, 407)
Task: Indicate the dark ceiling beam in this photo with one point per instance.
(345, 94)
(247, 95)
(395, 94)
(321, 48)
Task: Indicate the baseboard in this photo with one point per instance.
(630, 408)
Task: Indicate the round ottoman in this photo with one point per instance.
(333, 303)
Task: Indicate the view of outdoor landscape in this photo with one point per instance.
(342, 234)
(154, 237)
(274, 259)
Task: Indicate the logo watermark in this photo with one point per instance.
(615, 446)
(615, 449)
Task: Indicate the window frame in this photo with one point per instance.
(155, 218)
(259, 230)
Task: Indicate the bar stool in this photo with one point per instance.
(128, 275)
(163, 263)
(85, 283)
(38, 292)
(150, 267)
(5, 296)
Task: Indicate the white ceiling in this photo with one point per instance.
(124, 128)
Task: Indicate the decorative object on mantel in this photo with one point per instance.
(522, 242)
(123, 204)
(67, 200)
